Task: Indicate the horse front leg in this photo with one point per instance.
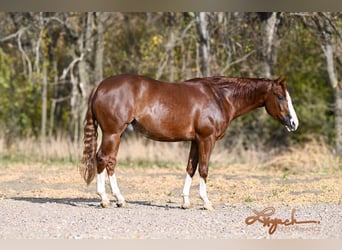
(190, 169)
(205, 148)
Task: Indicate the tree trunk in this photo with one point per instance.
(202, 29)
(338, 119)
(84, 43)
(98, 73)
(85, 46)
(172, 56)
(53, 101)
(44, 103)
(328, 50)
(269, 23)
(74, 125)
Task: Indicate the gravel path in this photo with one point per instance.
(41, 218)
(47, 202)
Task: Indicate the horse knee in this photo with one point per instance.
(110, 167)
(101, 162)
(191, 172)
(203, 172)
(105, 162)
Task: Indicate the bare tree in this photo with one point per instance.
(204, 42)
(325, 24)
(269, 25)
(101, 18)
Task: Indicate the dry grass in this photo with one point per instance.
(315, 156)
(32, 150)
(155, 172)
(137, 151)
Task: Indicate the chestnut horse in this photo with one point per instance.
(198, 110)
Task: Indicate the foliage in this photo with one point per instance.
(165, 46)
(19, 102)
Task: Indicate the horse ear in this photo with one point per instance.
(283, 82)
(278, 80)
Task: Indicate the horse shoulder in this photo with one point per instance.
(210, 118)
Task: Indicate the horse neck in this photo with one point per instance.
(247, 97)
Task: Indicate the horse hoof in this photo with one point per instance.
(208, 207)
(105, 204)
(122, 204)
(186, 206)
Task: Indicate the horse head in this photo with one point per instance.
(279, 105)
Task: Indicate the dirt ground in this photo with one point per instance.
(34, 193)
(237, 185)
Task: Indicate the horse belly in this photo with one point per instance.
(164, 129)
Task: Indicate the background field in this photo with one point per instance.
(49, 63)
(155, 171)
(44, 197)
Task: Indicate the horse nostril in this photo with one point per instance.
(288, 120)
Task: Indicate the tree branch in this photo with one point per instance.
(24, 55)
(236, 62)
(71, 66)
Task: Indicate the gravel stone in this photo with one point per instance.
(77, 219)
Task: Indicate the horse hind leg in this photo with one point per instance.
(101, 190)
(106, 160)
(116, 191)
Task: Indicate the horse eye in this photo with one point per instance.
(281, 98)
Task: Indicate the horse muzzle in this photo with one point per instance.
(291, 123)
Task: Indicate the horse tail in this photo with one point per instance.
(88, 168)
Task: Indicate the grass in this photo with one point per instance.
(137, 151)
(28, 151)
(298, 175)
(249, 199)
(316, 157)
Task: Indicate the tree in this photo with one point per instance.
(50, 62)
(269, 42)
(330, 37)
(202, 25)
(325, 30)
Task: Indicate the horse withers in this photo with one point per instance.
(197, 110)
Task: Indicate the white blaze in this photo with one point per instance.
(294, 119)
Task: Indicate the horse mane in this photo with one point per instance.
(242, 87)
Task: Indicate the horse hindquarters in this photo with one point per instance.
(106, 106)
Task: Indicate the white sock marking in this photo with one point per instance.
(293, 114)
(203, 191)
(115, 188)
(187, 185)
(101, 186)
(186, 189)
